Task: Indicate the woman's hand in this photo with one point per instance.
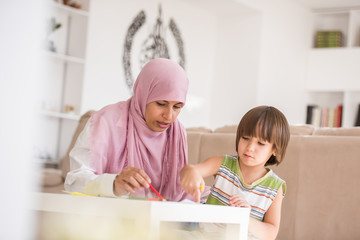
(130, 179)
(237, 201)
(192, 181)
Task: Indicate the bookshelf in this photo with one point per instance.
(64, 62)
(333, 72)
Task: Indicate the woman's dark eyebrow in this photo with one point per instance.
(174, 104)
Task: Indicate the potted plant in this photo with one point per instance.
(51, 27)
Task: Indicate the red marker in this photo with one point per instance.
(156, 192)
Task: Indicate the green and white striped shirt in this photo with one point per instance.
(229, 181)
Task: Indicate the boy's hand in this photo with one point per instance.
(192, 182)
(237, 201)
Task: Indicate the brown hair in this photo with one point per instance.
(268, 124)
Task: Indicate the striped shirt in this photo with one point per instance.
(229, 181)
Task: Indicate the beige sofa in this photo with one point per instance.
(320, 168)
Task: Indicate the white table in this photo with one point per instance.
(146, 216)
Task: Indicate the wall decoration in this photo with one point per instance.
(155, 45)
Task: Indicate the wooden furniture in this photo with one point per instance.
(68, 216)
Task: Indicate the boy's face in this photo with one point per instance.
(254, 151)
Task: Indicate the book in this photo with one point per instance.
(339, 115)
(357, 122)
(325, 116)
(316, 117)
(309, 110)
(331, 117)
(325, 39)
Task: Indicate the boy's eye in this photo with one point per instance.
(261, 143)
(245, 138)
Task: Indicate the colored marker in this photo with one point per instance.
(156, 192)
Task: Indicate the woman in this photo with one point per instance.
(127, 145)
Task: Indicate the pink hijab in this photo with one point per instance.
(120, 136)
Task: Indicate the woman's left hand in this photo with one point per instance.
(237, 201)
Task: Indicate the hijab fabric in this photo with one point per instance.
(120, 137)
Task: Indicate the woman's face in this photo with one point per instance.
(159, 115)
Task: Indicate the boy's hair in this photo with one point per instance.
(269, 124)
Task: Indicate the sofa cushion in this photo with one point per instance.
(227, 129)
(216, 144)
(58, 189)
(65, 161)
(288, 171)
(51, 177)
(327, 131)
(327, 196)
(193, 140)
(199, 129)
(304, 129)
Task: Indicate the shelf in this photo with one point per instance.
(330, 49)
(62, 77)
(330, 99)
(347, 21)
(69, 9)
(334, 72)
(69, 116)
(64, 57)
(326, 99)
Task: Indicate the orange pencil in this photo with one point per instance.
(156, 192)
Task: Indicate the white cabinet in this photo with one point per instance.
(63, 73)
(334, 73)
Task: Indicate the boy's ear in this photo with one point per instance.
(274, 152)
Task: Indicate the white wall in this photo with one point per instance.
(234, 60)
(235, 84)
(108, 24)
(285, 42)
